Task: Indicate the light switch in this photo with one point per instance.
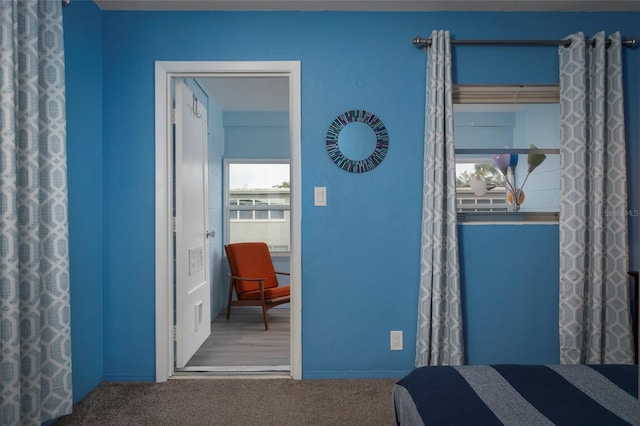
(320, 196)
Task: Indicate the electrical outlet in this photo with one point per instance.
(396, 340)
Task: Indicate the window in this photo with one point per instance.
(507, 162)
(258, 203)
(266, 199)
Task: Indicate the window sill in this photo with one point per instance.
(494, 218)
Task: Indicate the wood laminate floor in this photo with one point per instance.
(242, 344)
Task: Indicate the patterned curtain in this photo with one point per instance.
(439, 334)
(595, 319)
(35, 347)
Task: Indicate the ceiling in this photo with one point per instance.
(374, 5)
(249, 93)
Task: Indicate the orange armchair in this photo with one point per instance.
(254, 278)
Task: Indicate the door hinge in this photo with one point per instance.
(173, 225)
(175, 333)
(173, 115)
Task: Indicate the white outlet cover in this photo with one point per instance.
(396, 340)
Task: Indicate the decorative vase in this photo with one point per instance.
(520, 196)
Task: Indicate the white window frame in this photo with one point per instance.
(506, 94)
(256, 207)
(227, 198)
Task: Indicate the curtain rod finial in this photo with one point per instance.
(631, 42)
(421, 42)
(66, 3)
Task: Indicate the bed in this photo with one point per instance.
(518, 395)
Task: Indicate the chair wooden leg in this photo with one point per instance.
(264, 306)
(264, 316)
(230, 296)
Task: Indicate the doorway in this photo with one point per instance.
(165, 73)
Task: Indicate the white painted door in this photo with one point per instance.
(193, 289)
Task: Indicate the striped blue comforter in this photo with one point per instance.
(518, 395)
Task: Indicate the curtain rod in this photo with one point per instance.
(425, 42)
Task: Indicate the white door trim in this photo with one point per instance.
(164, 71)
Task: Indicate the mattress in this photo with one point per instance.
(518, 395)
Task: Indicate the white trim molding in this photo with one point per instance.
(164, 72)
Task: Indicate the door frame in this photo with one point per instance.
(164, 72)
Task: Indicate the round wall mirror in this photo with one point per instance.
(357, 141)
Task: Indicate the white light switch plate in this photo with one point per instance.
(320, 196)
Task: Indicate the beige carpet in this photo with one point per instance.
(237, 402)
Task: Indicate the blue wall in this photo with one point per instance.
(216, 212)
(360, 254)
(510, 276)
(83, 45)
(251, 135)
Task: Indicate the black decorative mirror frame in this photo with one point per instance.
(354, 165)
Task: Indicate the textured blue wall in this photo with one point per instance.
(510, 276)
(360, 254)
(83, 46)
